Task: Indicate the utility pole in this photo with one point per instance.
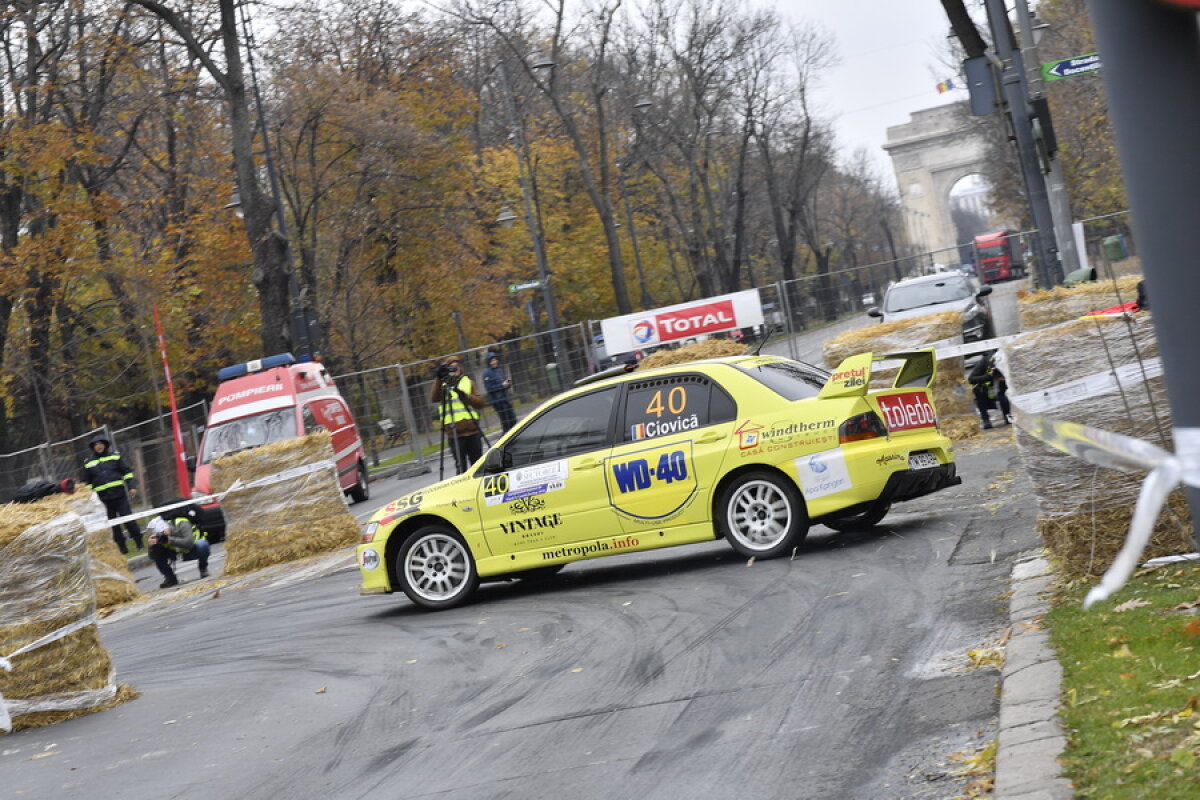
(1056, 185)
(1015, 98)
(1151, 57)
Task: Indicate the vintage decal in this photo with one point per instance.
(527, 505)
(531, 523)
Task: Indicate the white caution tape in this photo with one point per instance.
(1107, 449)
(237, 486)
(9, 707)
(1096, 385)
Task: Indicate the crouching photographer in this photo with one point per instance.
(172, 536)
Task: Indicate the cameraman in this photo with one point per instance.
(454, 394)
(172, 535)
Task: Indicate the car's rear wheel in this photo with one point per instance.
(762, 515)
(862, 520)
(435, 569)
(360, 492)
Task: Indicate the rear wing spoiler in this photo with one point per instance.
(852, 378)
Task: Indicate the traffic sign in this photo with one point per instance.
(513, 288)
(1070, 67)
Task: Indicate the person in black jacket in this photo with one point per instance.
(990, 388)
(497, 385)
(112, 480)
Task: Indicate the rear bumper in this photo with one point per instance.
(911, 483)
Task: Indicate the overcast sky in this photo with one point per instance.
(889, 53)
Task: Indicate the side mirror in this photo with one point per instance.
(874, 311)
(494, 461)
(984, 291)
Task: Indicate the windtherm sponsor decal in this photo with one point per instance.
(907, 411)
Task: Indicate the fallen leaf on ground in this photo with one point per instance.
(320, 691)
(1129, 605)
(1123, 652)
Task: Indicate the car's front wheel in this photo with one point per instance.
(435, 569)
(762, 515)
(869, 517)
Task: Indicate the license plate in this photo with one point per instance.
(922, 460)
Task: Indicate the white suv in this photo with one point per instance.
(936, 293)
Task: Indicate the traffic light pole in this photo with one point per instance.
(1151, 57)
(1015, 91)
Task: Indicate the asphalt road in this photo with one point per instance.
(682, 673)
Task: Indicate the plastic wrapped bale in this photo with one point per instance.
(52, 663)
(110, 568)
(293, 508)
(697, 351)
(1083, 509)
(1063, 304)
(955, 406)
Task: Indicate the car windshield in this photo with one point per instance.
(991, 252)
(247, 432)
(902, 297)
(792, 380)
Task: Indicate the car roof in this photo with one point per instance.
(937, 276)
(686, 366)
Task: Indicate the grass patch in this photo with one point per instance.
(1131, 686)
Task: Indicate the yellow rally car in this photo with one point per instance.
(752, 449)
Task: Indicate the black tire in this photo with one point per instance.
(867, 518)
(360, 492)
(762, 515)
(434, 567)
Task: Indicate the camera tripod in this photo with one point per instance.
(444, 411)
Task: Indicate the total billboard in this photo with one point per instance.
(657, 326)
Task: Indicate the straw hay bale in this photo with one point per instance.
(110, 568)
(1061, 304)
(286, 520)
(1084, 510)
(951, 395)
(46, 589)
(696, 351)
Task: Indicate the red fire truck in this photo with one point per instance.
(994, 258)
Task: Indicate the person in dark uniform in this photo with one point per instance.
(990, 388)
(112, 480)
(497, 385)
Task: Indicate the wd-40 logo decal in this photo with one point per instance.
(655, 483)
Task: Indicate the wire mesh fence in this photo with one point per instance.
(396, 416)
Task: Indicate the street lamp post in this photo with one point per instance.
(531, 219)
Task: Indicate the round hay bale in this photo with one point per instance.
(286, 520)
(48, 631)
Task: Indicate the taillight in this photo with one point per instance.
(860, 427)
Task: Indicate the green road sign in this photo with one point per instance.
(1070, 67)
(513, 288)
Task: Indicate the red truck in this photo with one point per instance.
(994, 259)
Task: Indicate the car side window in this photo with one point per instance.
(789, 379)
(674, 404)
(574, 426)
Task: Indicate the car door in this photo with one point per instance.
(675, 433)
(552, 491)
